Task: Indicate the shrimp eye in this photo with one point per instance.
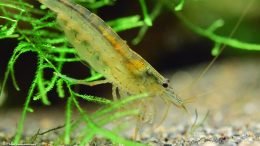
(165, 85)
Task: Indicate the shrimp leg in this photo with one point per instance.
(114, 92)
(82, 82)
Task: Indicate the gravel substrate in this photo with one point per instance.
(207, 136)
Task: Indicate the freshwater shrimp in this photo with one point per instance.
(98, 45)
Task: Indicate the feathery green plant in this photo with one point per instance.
(51, 47)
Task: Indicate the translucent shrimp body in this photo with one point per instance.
(98, 45)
